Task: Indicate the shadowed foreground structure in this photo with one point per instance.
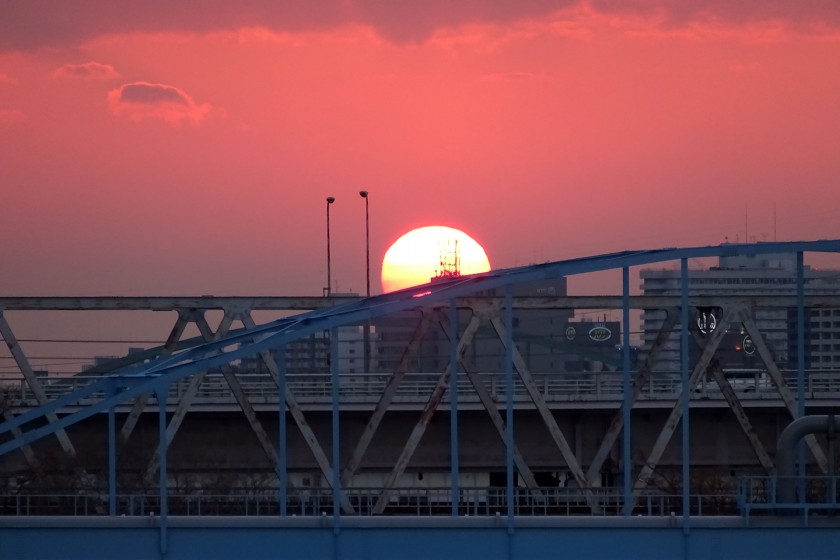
(434, 421)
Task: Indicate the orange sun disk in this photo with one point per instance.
(415, 258)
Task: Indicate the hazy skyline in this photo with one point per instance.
(152, 148)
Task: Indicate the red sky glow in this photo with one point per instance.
(151, 148)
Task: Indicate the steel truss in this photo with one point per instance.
(149, 378)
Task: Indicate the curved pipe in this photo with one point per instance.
(786, 450)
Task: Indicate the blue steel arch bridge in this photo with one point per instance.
(472, 415)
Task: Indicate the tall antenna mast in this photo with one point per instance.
(450, 259)
(746, 223)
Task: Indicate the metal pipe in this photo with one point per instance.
(786, 450)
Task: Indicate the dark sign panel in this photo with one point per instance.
(600, 333)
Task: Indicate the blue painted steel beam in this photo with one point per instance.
(410, 538)
(454, 451)
(249, 342)
(627, 393)
(686, 390)
(112, 459)
(800, 364)
(336, 434)
(509, 486)
(163, 480)
(282, 460)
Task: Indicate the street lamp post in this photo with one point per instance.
(366, 340)
(328, 291)
(364, 194)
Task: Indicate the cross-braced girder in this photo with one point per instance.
(218, 349)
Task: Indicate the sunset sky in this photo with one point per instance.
(162, 148)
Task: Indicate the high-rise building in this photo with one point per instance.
(762, 275)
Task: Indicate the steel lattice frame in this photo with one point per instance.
(438, 302)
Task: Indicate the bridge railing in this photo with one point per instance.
(490, 501)
(366, 388)
(813, 494)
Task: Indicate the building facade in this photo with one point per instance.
(764, 275)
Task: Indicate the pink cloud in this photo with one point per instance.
(11, 116)
(87, 71)
(727, 11)
(6, 79)
(143, 100)
(28, 26)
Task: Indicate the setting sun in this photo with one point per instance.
(427, 252)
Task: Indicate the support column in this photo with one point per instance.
(454, 467)
(548, 418)
(687, 389)
(162, 393)
(112, 456)
(336, 436)
(282, 446)
(425, 417)
(385, 399)
(627, 403)
(509, 483)
(800, 360)
(642, 377)
(300, 420)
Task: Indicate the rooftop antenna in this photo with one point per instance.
(746, 223)
(450, 259)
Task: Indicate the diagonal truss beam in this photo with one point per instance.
(674, 418)
(639, 382)
(490, 406)
(425, 417)
(737, 409)
(784, 390)
(184, 316)
(32, 380)
(387, 396)
(556, 433)
(186, 399)
(28, 453)
(300, 420)
(743, 420)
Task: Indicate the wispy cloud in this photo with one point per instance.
(27, 26)
(87, 71)
(6, 79)
(11, 116)
(143, 100)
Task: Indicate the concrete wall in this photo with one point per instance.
(223, 442)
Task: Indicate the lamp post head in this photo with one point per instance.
(363, 194)
(330, 199)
